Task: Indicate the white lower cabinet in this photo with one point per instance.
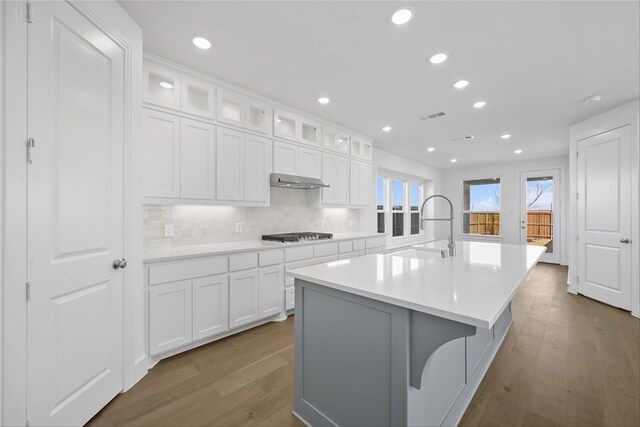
(243, 298)
(210, 306)
(290, 298)
(270, 287)
(169, 316)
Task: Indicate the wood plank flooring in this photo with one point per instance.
(567, 360)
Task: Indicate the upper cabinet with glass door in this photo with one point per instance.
(361, 148)
(240, 110)
(198, 97)
(335, 140)
(161, 85)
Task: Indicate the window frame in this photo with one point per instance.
(385, 201)
(387, 209)
(464, 211)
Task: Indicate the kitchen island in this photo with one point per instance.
(402, 338)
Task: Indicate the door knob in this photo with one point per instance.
(119, 263)
(625, 241)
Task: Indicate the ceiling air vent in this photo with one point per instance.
(432, 116)
(464, 138)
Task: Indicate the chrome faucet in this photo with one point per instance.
(451, 245)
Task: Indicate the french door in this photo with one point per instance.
(604, 217)
(75, 218)
(540, 211)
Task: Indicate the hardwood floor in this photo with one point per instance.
(567, 360)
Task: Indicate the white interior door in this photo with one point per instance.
(540, 211)
(75, 231)
(604, 217)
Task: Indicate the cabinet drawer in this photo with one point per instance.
(290, 298)
(375, 242)
(298, 254)
(173, 271)
(358, 245)
(344, 247)
(243, 261)
(351, 255)
(271, 258)
(325, 250)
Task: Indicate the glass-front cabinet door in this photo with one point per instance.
(230, 107)
(161, 85)
(285, 125)
(258, 115)
(198, 97)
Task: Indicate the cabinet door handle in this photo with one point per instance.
(625, 241)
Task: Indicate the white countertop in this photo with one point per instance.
(179, 252)
(474, 287)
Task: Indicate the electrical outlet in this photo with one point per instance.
(168, 230)
(238, 227)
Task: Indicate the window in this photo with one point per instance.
(481, 213)
(397, 207)
(380, 193)
(414, 205)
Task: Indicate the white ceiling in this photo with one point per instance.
(532, 62)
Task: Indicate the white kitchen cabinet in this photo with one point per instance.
(271, 284)
(286, 125)
(242, 166)
(309, 162)
(197, 146)
(230, 107)
(257, 168)
(335, 140)
(243, 298)
(293, 159)
(161, 155)
(309, 132)
(258, 115)
(161, 85)
(361, 183)
(361, 148)
(210, 306)
(335, 172)
(285, 158)
(198, 97)
(229, 165)
(169, 316)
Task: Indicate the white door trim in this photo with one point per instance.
(627, 114)
(558, 225)
(114, 22)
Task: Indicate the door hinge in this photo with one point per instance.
(29, 14)
(31, 145)
(28, 292)
(577, 154)
(577, 237)
(577, 196)
(577, 279)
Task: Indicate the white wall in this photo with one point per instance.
(403, 167)
(509, 174)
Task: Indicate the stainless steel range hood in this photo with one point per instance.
(294, 181)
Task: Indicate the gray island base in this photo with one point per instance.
(362, 362)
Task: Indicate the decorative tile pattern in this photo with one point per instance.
(289, 211)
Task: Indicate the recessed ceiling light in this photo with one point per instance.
(430, 149)
(166, 85)
(479, 104)
(201, 42)
(517, 151)
(454, 160)
(593, 98)
(402, 16)
(461, 84)
(505, 136)
(323, 100)
(439, 58)
(386, 128)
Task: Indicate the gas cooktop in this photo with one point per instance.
(296, 237)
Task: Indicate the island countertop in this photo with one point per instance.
(473, 287)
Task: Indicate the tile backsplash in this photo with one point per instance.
(289, 211)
